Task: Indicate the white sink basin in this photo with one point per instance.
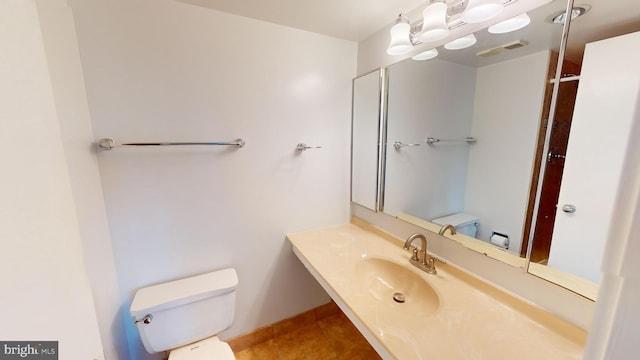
(397, 286)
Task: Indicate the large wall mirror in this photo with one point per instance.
(468, 143)
(367, 129)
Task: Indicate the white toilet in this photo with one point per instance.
(464, 223)
(183, 316)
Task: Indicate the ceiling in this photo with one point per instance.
(353, 20)
(356, 20)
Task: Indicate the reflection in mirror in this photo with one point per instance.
(498, 92)
(366, 122)
(492, 92)
(584, 157)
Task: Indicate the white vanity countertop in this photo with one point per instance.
(474, 320)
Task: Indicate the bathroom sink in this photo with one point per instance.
(397, 286)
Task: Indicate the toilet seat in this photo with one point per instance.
(210, 349)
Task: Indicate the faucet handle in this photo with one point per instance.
(431, 266)
(414, 257)
(424, 261)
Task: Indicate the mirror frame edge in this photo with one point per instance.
(382, 138)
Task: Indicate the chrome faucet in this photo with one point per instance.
(446, 227)
(421, 259)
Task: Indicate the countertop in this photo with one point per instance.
(473, 320)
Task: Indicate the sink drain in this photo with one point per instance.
(398, 297)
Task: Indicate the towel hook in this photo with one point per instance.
(303, 147)
(399, 145)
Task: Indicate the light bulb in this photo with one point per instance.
(481, 10)
(461, 43)
(509, 25)
(427, 55)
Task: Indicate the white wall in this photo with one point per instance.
(507, 111)
(45, 290)
(428, 99)
(61, 48)
(616, 325)
(164, 70)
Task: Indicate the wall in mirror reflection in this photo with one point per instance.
(500, 105)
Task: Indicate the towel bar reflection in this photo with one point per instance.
(467, 140)
(109, 144)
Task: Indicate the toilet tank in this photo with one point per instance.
(464, 223)
(186, 310)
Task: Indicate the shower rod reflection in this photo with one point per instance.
(109, 144)
(467, 140)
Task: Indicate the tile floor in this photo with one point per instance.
(332, 337)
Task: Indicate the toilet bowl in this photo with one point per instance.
(184, 316)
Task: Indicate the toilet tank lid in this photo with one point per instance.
(183, 291)
(456, 220)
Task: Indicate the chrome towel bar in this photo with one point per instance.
(109, 144)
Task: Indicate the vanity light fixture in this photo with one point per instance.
(509, 25)
(427, 55)
(461, 43)
(438, 18)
